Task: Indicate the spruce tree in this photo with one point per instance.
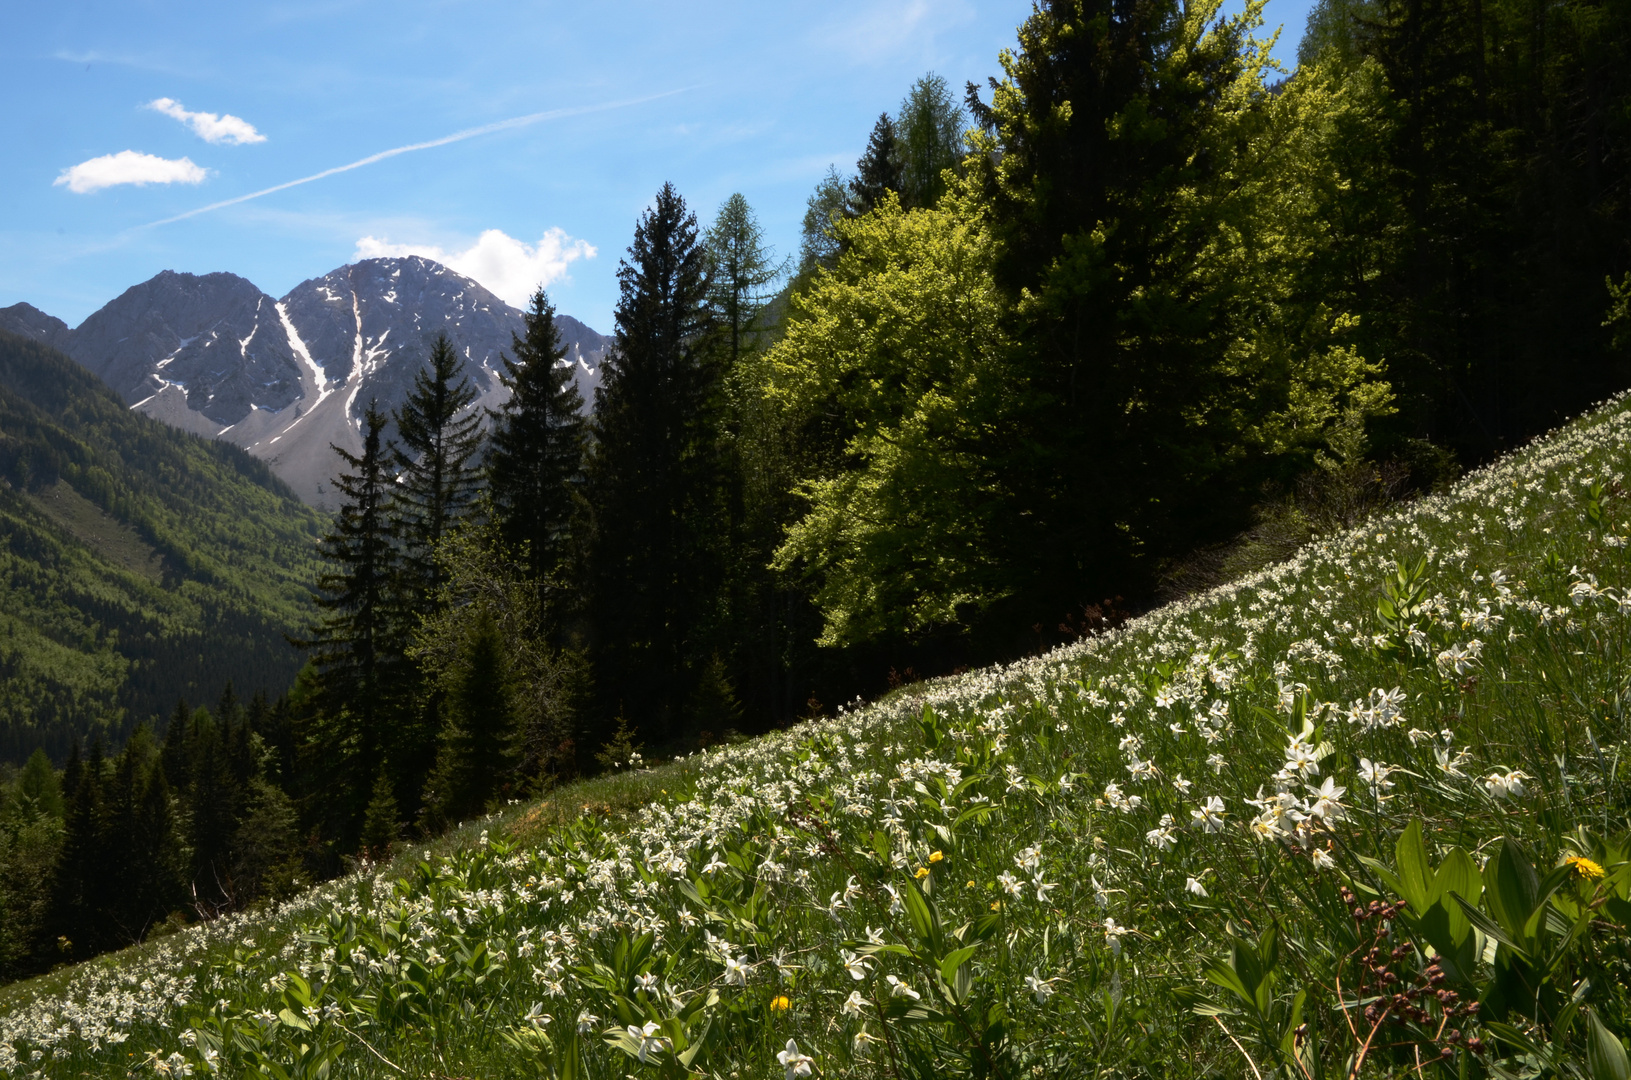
(536, 448)
(212, 798)
(358, 645)
(879, 169)
(156, 884)
(478, 754)
(1103, 189)
(380, 825)
(654, 480)
(80, 885)
(438, 476)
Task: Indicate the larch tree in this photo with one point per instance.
(818, 243)
(741, 272)
(929, 136)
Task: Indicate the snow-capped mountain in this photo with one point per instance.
(287, 378)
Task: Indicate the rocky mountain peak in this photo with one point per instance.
(287, 378)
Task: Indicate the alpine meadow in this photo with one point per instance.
(1143, 591)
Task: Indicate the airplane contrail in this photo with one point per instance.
(457, 136)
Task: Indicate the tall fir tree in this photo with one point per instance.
(654, 483)
(879, 169)
(535, 456)
(360, 692)
(438, 475)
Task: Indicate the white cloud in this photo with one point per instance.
(507, 266)
(232, 130)
(128, 167)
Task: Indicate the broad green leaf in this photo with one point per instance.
(1489, 926)
(1226, 976)
(1458, 876)
(1415, 877)
(921, 917)
(689, 1055)
(955, 960)
(1510, 885)
(1605, 1054)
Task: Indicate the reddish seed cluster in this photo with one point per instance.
(1398, 1003)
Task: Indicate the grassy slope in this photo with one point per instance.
(140, 563)
(1057, 929)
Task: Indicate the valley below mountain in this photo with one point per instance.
(140, 564)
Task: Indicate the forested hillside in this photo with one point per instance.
(140, 564)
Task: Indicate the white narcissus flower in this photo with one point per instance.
(1375, 776)
(1210, 815)
(1194, 887)
(795, 1063)
(1327, 801)
(854, 1003)
(901, 989)
(1113, 934)
(736, 972)
(587, 1022)
(857, 966)
(1509, 786)
(650, 1042)
(1040, 988)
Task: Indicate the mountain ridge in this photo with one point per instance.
(288, 378)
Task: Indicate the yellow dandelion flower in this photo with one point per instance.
(922, 872)
(996, 905)
(937, 857)
(971, 884)
(780, 1003)
(1584, 867)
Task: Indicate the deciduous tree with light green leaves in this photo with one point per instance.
(904, 339)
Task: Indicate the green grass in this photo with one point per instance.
(1021, 871)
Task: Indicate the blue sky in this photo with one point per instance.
(213, 102)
